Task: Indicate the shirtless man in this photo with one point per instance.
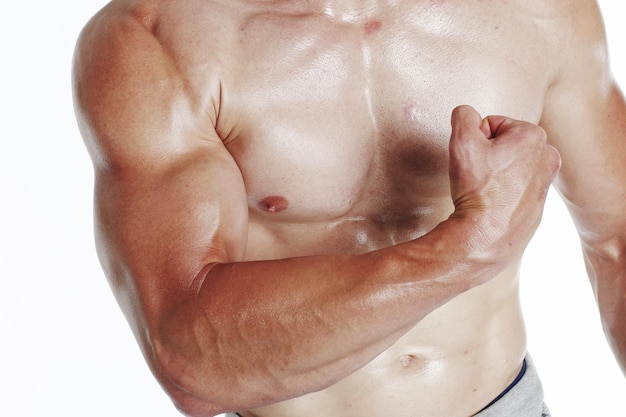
(296, 222)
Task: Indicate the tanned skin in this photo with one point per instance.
(313, 208)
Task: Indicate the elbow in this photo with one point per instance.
(606, 265)
(191, 407)
(203, 368)
(193, 385)
(606, 268)
(207, 385)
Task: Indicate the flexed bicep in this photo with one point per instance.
(169, 198)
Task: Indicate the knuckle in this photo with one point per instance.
(555, 157)
(537, 133)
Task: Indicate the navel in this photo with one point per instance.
(405, 360)
(273, 204)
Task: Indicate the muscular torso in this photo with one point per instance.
(338, 119)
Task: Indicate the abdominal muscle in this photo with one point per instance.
(450, 364)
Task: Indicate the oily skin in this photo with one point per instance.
(297, 214)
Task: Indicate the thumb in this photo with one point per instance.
(466, 121)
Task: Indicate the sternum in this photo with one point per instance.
(368, 84)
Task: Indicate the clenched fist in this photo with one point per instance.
(500, 172)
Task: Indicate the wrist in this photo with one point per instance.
(457, 254)
(484, 237)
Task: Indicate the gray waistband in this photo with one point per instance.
(525, 399)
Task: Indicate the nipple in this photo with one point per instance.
(372, 26)
(273, 204)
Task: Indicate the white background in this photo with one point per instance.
(65, 349)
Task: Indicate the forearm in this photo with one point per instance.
(260, 332)
(254, 333)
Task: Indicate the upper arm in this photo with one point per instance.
(169, 198)
(585, 118)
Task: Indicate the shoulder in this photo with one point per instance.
(117, 65)
(118, 27)
(133, 92)
(563, 25)
(571, 43)
(577, 47)
(573, 29)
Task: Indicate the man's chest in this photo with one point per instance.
(329, 117)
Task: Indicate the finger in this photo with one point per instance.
(465, 121)
(496, 124)
(486, 128)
